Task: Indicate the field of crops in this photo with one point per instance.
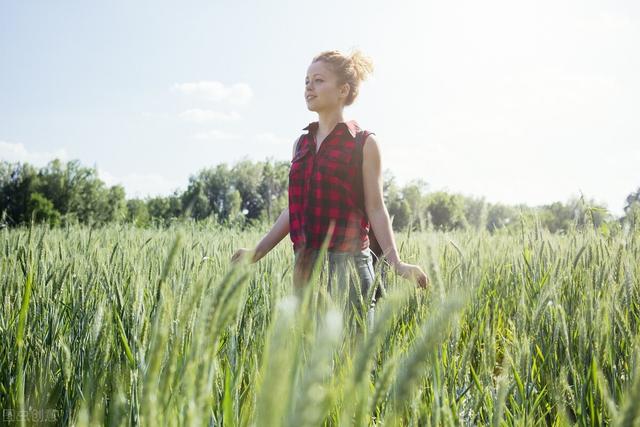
(125, 326)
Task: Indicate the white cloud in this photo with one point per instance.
(17, 152)
(141, 185)
(236, 94)
(215, 135)
(198, 115)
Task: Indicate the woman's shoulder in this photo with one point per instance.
(364, 136)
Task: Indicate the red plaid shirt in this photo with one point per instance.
(326, 187)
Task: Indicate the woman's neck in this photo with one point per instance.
(327, 121)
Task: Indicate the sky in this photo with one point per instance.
(513, 101)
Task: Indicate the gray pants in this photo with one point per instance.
(350, 275)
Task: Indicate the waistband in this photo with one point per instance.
(366, 251)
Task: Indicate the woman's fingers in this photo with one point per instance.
(238, 255)
(419, 277)
(423, 280)
(241, 254)
(414, 273)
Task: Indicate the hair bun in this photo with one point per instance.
(362, 64)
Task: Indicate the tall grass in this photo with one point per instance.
(126, 326)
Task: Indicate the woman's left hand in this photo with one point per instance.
(413, 273)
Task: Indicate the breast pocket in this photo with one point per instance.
(298, 165)
(336, 165)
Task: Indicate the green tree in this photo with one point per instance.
(56, 184)
(195, 200)
(476, 212)
(208, 193)
(41, 210)
(413, 194)
(235, 216)
(398, 208)
(78, 193)
(578, 212)
(165, 208)
(500, 216)
(445, 211)
(632, 215)
(19, 181)
(631, 199)
(557, 216)
(137, 212)
(273, 188)
(632, 210)
(246, 179)
(116, 205)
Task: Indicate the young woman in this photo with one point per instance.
(335, 185)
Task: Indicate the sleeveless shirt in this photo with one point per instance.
(325, 190)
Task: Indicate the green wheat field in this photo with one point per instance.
(127, 326)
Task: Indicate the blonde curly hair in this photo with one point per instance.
(351, 69)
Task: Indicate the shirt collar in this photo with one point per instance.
(351, 125)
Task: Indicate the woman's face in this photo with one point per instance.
(322, 92)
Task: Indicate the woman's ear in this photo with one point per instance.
(344, 90)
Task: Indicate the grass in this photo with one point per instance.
(126, 326)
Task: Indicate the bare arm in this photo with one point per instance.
(374, 201)
(278, 232)
(378, 214)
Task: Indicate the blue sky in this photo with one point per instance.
(519, 102)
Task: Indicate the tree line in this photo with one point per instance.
(250, 193)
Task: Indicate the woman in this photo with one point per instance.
(335, 186)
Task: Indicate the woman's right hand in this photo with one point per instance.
(241, 254)
(414, 273)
